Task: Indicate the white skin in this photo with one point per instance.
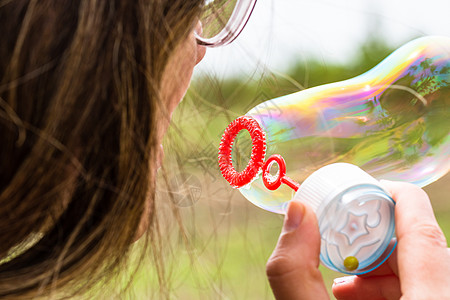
(174, 84)
(177, 77)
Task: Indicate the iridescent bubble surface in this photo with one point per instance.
(392, 121)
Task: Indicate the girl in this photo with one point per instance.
(87, 89)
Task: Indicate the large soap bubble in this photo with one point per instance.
(392, 121)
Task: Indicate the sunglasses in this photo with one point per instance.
(222, 21)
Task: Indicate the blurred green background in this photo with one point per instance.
(218, 242)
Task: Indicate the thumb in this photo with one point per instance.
(292, 269)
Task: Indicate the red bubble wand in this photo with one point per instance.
(256, 162)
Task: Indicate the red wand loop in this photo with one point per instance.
(273, 182)
(239, 179)
(256, 163)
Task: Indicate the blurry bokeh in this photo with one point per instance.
(219, 242)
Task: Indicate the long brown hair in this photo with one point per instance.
(79, 84)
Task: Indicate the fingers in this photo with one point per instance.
(381, 283)
(378, 287)
(389, 267)
(292, 269)
(423, 258)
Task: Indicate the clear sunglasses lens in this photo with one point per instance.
(215, 16)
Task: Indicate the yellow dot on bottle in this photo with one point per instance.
(351, 263)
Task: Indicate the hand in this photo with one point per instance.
(418, 269)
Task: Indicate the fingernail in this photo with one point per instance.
(294, 216)
(341, 280)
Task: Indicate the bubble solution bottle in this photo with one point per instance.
(392, 122)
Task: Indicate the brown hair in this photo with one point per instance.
(79, 87)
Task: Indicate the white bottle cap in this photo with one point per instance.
(330, 180)
(355, 215)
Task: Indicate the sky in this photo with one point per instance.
(280, 32)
